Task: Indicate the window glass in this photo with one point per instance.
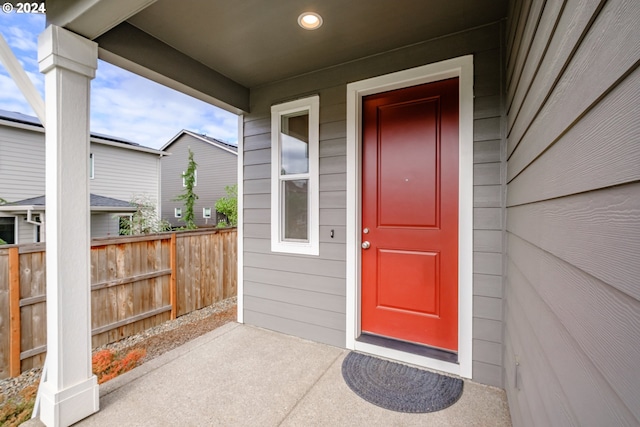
(296, 208)
(8, 229)
(294, 149)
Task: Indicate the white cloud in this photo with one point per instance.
(122, 104)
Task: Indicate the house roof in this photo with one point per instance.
(19, 118)
(98, 203)
(209, 140)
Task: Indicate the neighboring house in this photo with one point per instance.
(501, 244)
(27, 218)
(119, 170)
(217, 168)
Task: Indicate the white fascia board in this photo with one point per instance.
(126, 146)
(195, 135)
(172, 140)
(222, 147)
(19, 209)
(113, 209)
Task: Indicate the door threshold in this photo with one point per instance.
(408, 347)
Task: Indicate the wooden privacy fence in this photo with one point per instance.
(136, 283)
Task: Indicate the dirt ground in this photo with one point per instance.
(168, 340)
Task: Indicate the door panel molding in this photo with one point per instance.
(462, 68)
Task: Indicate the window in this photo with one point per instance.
(125, 223)
(206, 212)
(294, 176)
(91, 166)
(177, 212)
(195, 178)
(8, 229)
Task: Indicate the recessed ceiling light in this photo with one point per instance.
(310, 20)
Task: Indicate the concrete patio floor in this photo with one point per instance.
(240, 375)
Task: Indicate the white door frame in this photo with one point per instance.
(462, 68)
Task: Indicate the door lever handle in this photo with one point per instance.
(366, 245)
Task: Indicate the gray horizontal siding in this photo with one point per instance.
(305, 295)
(104, 224)
(119, 173)
(26, 231)
(21, 163)
(572, 308)
(217, 169)
(122, 174)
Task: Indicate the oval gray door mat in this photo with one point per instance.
(399, 387)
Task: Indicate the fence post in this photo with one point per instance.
(14, 312)
(172, 285)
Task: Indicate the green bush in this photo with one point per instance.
(228, 205)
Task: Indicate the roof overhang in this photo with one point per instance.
(218, 51)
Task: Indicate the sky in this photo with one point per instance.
(123, 104)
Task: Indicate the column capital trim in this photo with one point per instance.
(58, 47)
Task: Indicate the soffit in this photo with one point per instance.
(255, 42)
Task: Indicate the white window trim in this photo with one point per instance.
(462, 68)
(92, 167)
(195, 178)
(312, 247)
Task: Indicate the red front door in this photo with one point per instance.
(410, 214)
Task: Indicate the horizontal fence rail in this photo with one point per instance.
(136, 283)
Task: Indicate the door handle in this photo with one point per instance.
(366, 245)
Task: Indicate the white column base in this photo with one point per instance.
(68, 406)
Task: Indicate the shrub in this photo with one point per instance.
(228, 205)
(18, 409)
(107, 365)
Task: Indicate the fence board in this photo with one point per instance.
(111, 313)
(26, 313)
(5, 335)
(14, 311)
(39, 310)
(131, 283)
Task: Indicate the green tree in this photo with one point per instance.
(228, 205)
(145, 219)
(189, 197)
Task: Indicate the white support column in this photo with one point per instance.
(70, 392)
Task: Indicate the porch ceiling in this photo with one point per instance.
(223, 48)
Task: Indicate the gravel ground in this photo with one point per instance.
(155, 341)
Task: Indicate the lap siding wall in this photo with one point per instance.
(573, 229)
